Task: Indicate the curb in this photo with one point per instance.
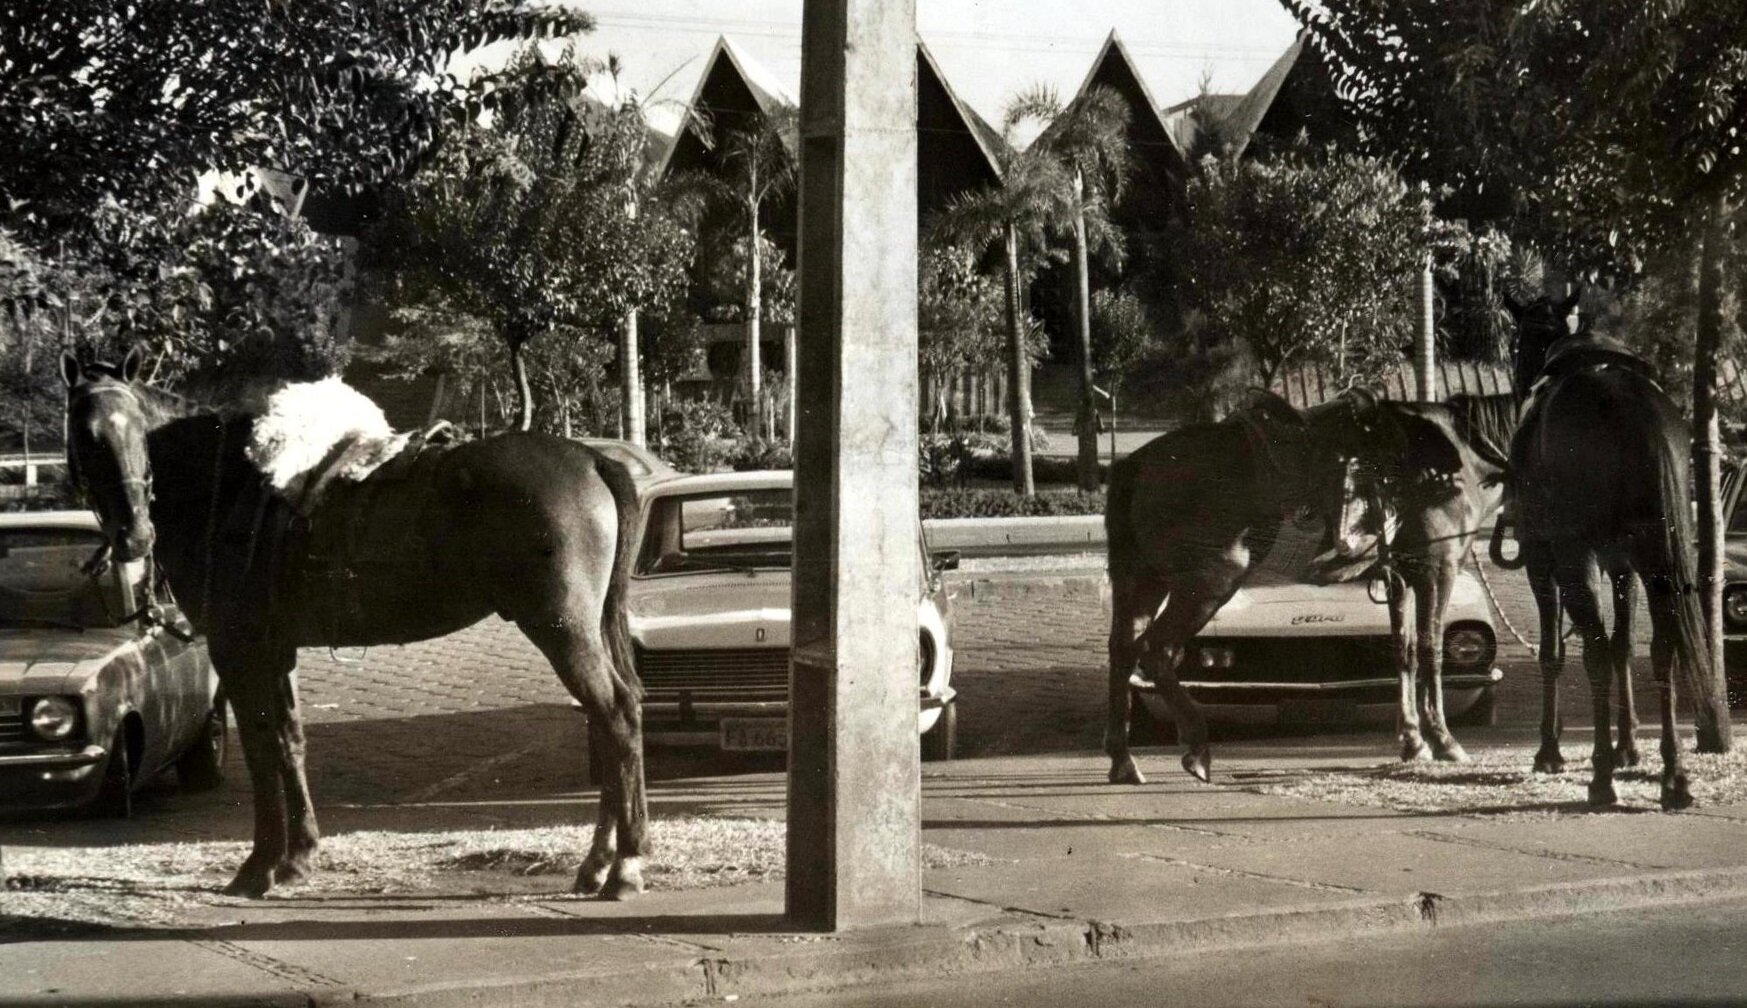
(1023, 942)
(993, 586)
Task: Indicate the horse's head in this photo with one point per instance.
(1541, 323)
(106, 449)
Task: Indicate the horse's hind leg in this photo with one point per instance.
(1186, 611)
(1578, 593)
(1538, 562)
(1625, 587)
(1133, 599)
(578, 653)
(1431, 601)
(1664, 616)
(263, 697)
(1401, 645)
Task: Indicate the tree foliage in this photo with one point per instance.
(1309, 258)
(525, 222)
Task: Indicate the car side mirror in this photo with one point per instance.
(943, 560)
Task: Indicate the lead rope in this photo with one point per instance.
(1498, 610)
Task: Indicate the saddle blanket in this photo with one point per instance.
(314, 433)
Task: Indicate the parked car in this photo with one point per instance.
(1290, 653)
(94, 702)
(1735, 584)
(709, 614)
(643, 464)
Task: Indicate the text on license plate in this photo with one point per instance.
(755, 734)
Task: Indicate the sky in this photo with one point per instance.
(988, 49)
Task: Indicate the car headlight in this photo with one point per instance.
(1735, 607)
(1468, 644)
(54, 718)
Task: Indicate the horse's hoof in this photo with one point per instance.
(1625, 756)
(250, 883)
(292, 871)
(1675, 795)
(1602, 793)
(1198, 762)
(1124, 771)
(1415, 752)
(625, 880)
(1549, 762)
(1452, 753)
(591, 876)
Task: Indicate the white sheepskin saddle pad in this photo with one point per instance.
(312, 433)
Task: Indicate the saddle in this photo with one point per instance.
(364, 531)
(1584, 352)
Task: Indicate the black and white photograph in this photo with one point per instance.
(873, 503)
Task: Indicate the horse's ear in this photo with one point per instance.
(71, 372)
(132, 363)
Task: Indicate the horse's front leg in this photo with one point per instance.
(1538, 564)
(1133, 599)
(1620, 653)
(1431, 600)
(1581, 603)
(1405, 655)
(255, 680)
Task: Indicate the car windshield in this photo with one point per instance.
(41, 583)
(739, 530)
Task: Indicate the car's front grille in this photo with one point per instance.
(1295, 660)
(718, 675)
(13, 730)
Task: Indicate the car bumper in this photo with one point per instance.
(51, 780)
(700, 724)
(1353, 701)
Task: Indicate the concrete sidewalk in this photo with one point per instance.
(1067, 869)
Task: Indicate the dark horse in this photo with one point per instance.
(1600, 481)
(1187, 517)
(1437, 470)
(531, 527)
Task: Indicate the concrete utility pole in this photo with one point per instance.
(854, 800)
(630, 367)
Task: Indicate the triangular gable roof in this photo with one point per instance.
(766, 91)
(987, 137)
(1250, 112)
(1185, 125)
(1149, 125)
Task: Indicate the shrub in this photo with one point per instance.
(757, 453)
(963, 503)
(948, 458)
(698, 436)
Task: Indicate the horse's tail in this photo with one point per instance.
(615, 626)
(1691, 638)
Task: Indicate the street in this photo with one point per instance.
(1687, 954)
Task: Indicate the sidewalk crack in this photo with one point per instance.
(1241, 873)
(1543, 852)
(289, 972)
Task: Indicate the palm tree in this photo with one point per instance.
(1091, 137)
(1018, 216)
(758, 165)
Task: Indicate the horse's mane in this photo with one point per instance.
(1487, 423)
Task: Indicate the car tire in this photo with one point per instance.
(115, 797)
(1484, 712)
(940, 743)
(201, 768)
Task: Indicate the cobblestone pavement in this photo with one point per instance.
(480, 714)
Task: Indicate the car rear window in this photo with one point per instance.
(743, 529)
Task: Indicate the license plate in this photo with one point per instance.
(755, 734)
(1318, 712)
